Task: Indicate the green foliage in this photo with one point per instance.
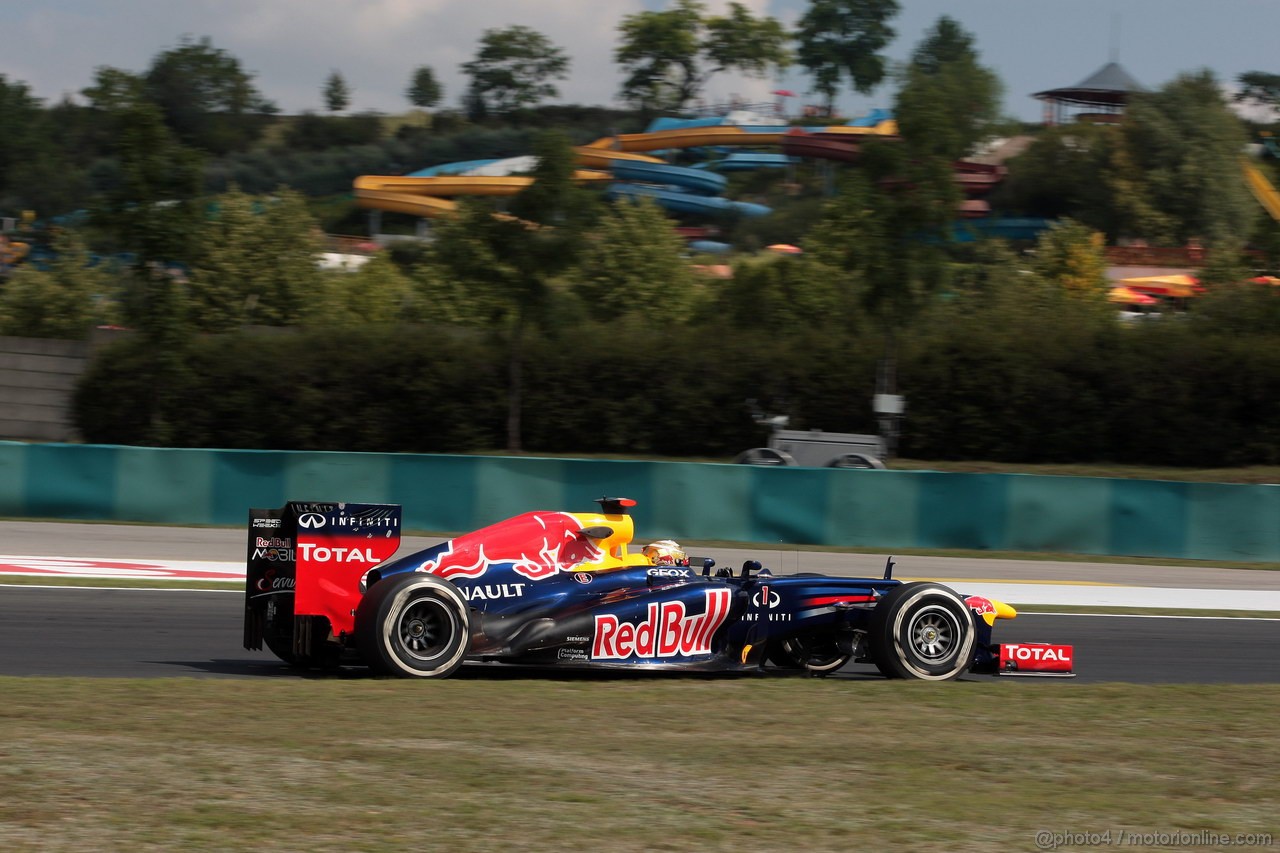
(1071, 255)
(336, 92)
(424, 90)
(1262, 86)
(37, 171)
(871, 239)
(633, 268)
(1010, 368)
(376, 294)
(787, 295)
(1185, 145)
(843, 38)
(153, 211)
(668, 56)
(65, 302)
(752, 46)
(514, 68)
(465, 278)
(259, 263)
(332, 389)
(1058, 176)
(311, 132)
(947, 100)
(1238, 309)
(206, 97)
(636, 389)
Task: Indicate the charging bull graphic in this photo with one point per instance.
(536, 545)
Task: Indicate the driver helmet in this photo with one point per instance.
(666, 552)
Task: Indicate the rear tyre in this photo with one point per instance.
(922, 631)
(414, 626)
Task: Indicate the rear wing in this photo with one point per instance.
(312, 556)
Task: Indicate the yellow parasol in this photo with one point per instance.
(1127, 296)
(1177, 285)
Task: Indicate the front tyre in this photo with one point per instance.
(922, 631)
(414, 626)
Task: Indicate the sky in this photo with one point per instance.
(291, 46)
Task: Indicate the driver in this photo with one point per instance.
(666, 552)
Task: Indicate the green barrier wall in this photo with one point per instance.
(743, 503)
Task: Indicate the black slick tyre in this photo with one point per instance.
(923, 631)
(413, 625)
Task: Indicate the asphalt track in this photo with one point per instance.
(66, 631)
(69, 631)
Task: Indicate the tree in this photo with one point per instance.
(669, 56)
(36, 170)
(259, 262)
(20, 115)
(1058, 175)
(153, 211)
(114, 89)
(206, 98)
(1071, 256)
(337, 95)
(633, 265)
(514, 68)
(1259, 86)
(843, 38)
(424, 90)
(375, 294)
(947, 100)
(506, 264)
(786, 295)
(1183, 143)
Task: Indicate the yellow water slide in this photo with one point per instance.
(431, 197)
(1262, 189)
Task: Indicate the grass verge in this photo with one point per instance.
(624, 764)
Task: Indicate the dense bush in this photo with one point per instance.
(365, 389)
(1058, 381)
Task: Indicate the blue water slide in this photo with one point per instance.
(695, 180)
(872, 118)
(686, 202)
(739, 161)
(451, 168)
(668, 123)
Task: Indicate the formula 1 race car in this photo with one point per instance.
(562, 589)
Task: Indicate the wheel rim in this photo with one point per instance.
(933, 633)
(425, 629)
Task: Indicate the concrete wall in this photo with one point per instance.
(37, 377)
(682, 500)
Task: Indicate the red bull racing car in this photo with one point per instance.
(564, 589)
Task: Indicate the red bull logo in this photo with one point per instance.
(667, 631)
(537, 545)
(980, 605)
